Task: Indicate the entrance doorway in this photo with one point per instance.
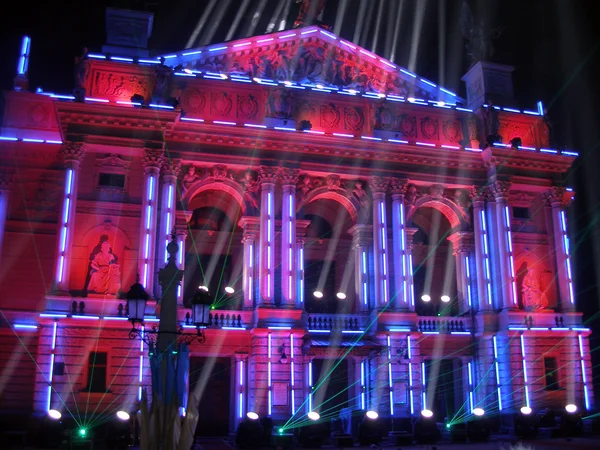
(213, 378)
(446, 374)
(331, 378)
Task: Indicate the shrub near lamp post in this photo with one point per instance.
(169, 357)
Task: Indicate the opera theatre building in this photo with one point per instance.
(369, 240)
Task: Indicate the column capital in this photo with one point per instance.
(500, 189)
(378, 185)
(361, 234)
(478, 194)
(171, 167)
(268, 175)
(410, 232)
(555, 196)
(289, 177)
(398, 186)
(152, 159)
(250, 224)
(72, 153)
(462, 242)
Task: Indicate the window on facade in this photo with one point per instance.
(520, 212)
(111, 180)
(97, 372)
(551, 373)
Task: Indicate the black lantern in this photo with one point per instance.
(201, 306)
(137, 297)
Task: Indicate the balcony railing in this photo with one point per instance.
(443, 324)
(335, 322)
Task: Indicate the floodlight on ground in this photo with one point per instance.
(571, 408)
(252, 415)
(445, 298)
(203, 287)
(426, 298)
(341, 295)
(427, 413)
(229, 290)
(526, 410)
(372, 414)
(478, 412)
(123, 415)
(313, 415)
(54, 414)
(318, 294)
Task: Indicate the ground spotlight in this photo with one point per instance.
(54, 414)
(372, 414)
(123, 415)
(82, 432)
(318, 294)
(250, 432)
(478, 412)
(252, 415)
(341, 295)
(571, 423)
(203, 287)
(313, 415)
(478, 428)
(426, 297)
(571, 408)
(445, 298)
(427, 413)
(229, 290)
(526, 410)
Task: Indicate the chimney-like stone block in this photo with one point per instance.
(489, 82)
(127, 32)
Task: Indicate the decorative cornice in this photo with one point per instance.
(268, 175)
(152, 159)
(378, 185)
(436, 190)
(333, 182)
(289, 177)
(220, 172)
(500, 189)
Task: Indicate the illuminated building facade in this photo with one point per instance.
(389, 245)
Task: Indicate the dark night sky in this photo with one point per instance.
(552, 44)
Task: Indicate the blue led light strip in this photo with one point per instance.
(497, 369)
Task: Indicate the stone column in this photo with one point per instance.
(381, 277)
(171, 169)
(400, 294)
(267, 179)
(410, 232)
(251, 230)
(151, 161)
(554, 197)
(72, 153)
(505, 282)
(462, 246)
(289, 257)
(5, 185)
(301, 226)
(241, 383)
(362, 235)
(482, 259)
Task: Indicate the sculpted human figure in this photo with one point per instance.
(533, 296)
(364, 202)
(189, 178)
(105, 273)
(251, 188)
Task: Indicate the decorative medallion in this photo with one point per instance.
(38, 115)
(382, 117)
(354, 118)
(408, 125)
(193, 100)
(429, 128)
(221, 103)
(330, 115)
(247, 106)
(452, 130)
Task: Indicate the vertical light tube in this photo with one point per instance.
(468, 273)
(362, 385)
(141, 373)
(64, 231)
(22, 66)
(51, 371)
(241, 388)
(148, 220)
(583, 373)
(497, 369)
(292, 372)
(469, 368)
(511, 260)
(563, 225)
(410, 374)
(301, 266)
(390, 376)
(310, 386)
(384, 257)
(364, 272)
(525, 380)
(486, 258)
(269, 348)
(424, 385)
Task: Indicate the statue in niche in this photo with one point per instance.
(163, 74)
(533, 296)
(491, 124)
(362, 198)
(189, 178)
(104, 271)
(251, 188)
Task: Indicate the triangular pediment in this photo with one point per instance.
(308, 56)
